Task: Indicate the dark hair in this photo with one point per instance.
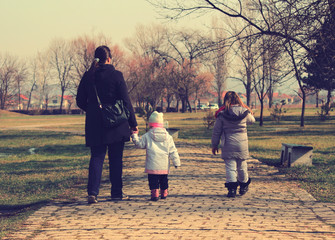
(102, 52)
(101, 55)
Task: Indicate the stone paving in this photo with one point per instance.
(197, 207)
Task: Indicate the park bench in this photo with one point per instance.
(174, 132)
(294, 154)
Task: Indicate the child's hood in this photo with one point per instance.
(158, 134)
(235, 113)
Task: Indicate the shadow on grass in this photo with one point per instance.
(12, 210)
(12, 135)
(65, 150)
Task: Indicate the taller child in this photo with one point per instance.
(231, 128)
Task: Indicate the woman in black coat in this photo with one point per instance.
(110, 86)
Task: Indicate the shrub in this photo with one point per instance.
(325, 111)
(209, 118)
(277, 111)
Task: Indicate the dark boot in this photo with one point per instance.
(232, 187)
(244, 187)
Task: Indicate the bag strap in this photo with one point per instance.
(96, 93)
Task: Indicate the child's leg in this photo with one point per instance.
(231, 174)
(242, 171)
(164, 185)
(243, 176)
(153, 181)
(231, 177)
(154, 186)
(163, 181)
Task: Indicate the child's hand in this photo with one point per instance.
(215, 150)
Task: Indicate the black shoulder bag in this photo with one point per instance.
(113, 114)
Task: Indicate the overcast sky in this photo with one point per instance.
(29, 26)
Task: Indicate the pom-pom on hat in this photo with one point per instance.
(156, 119)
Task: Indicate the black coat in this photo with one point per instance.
(110, 86)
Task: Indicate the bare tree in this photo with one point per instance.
(218, 60)
(8, 72)
(147, 39)
(83, 54)
(298, 71)
(275, 64)
(247, 53)
(255, 13)
(20, 77)
(62, 63)
(43, 75)
(32, 79)
(293, 21)
(186, 48)
(201, 85)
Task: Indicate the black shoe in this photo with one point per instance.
(92, 199)
(244, 187)
(231, 193)
(119, 197)
(232, 187)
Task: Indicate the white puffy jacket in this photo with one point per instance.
(160, 149)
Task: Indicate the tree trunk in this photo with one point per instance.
(270, 96)
(261, 114)
(162, 105)
(189, 105)
(302, 117)
(329, 95)
(248, 91)
(195, 106)
(61, 102)
(46, 102)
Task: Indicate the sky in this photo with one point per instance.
(29, 26)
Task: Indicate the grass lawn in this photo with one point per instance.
(58, 169)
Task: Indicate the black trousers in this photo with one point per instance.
(98, 153)
(158, 181)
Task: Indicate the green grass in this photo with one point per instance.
(58, 169)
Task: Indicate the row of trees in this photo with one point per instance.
(270, 42)
(279, 39)
(161, 63)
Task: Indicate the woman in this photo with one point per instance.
(231, 127)
(110, 86)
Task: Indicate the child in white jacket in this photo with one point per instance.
(160, 149)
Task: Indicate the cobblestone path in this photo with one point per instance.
(197, 207)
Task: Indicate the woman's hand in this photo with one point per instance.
(215, 150)
(134, 130)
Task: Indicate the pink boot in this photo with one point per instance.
(154, 194)
(164, 193)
